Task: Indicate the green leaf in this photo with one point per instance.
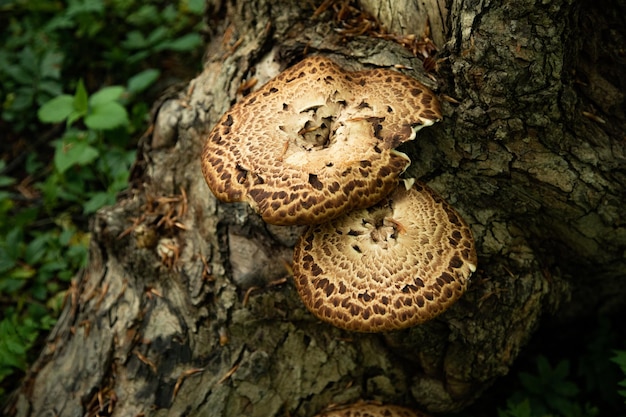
(157, 35)
(16, 338)
(85, 6)
(51, 88)
(107, 115)
(564, 406)
(146, 15)
(32, 165)
(183, 44)
(59, 21)
(139, 56)
(50, 189)
(51, 267)
(9, 357)
(565, 388)
(39, 292)
(134, 40)
(530, 382)
(196, 6)
(561, 371)
(97, 201)
(74, 116)
(6, 262)
(620, 359)
(520, 409)
(15, 347)
(10, 285)
(543, 368)
(170, 15)
(17, 74)
(50, 66)
(24, 98)
(21, 273)
(106, 95)
(57, 109)
(28, 62)
(81, 103)
(73, 153)
(143, 80)
(66, 235)
(6, 181)
(35, 250)
(13, 242)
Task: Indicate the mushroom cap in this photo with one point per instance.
(316, 141)
(393, 265)
(371, 410)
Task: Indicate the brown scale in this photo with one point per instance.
(323, 135)
(363, 272)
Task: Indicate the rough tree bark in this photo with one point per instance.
(182, 310)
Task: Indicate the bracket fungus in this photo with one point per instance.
(365, 409)
(398, 263)
(317, 141)
(316, 146)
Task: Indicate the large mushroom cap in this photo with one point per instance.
(316, 141)
(371, 410)
(390, 266)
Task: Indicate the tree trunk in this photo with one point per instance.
(186, 308)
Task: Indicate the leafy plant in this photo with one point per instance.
(114, 39)
(100, 111)
(548, 393)
(100, 162)
(620, 360)
(17, 335)
(35, 265)
(518, 409)
(60, 174)
(598, 375)
(29, 78)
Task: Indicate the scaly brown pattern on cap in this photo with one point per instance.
(316, 141)
(391, 266)
(371, 410)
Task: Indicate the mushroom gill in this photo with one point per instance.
(316, 141)
(398, 263)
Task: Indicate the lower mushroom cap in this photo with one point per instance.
(391, 266)
(371, 410)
